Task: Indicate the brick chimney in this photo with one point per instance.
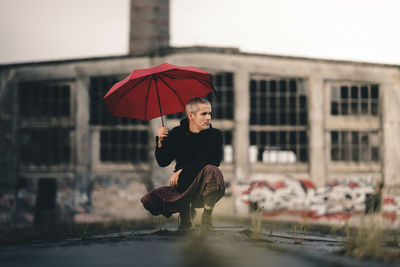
(149, 26)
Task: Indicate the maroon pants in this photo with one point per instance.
(166, 200)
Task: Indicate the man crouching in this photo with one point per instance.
(197, 181)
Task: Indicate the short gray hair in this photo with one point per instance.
(192, 106)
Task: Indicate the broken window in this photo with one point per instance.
(44, 110)
(355, 146)
(355, 99)
(278, 121)
(45, 146)
(99, 114)
(44, 99)
(130, 146)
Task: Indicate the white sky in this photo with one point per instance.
(361, 30)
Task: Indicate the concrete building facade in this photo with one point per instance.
(308, 118)
(312, 119)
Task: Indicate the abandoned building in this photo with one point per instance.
(315, 119)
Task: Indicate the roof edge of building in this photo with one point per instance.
(165, 51)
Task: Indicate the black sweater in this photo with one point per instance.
(192, 151)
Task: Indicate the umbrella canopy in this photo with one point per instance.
(161, 90)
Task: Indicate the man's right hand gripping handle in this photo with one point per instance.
(162, 134)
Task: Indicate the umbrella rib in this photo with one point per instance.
(147, 99)
(195, 78)
(173, 91)
(133, 87)
(122, 95)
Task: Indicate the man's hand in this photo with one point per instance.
(162, 134)
(173, 181)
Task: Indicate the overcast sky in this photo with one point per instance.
(360, 30)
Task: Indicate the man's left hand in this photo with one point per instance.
(173, 181)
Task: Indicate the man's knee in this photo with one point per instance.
(212, 169)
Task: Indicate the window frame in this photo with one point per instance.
(352, 123)
(95, 136)
(283, 166)
(43, 122)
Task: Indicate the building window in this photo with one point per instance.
(45, 146)
(278, 146)
(355, 99)
(278, 121)
(223, 106)
(45, 123)
(355, 146)
(99, 114)
(278, 102)
(124, 146)
(44, 99)
(227, 156)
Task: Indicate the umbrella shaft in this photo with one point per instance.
(159, 103)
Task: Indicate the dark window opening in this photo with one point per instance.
(223, 104)
(355, 146)
(123, 146)
(45, 147)
(355, 100)
(44, 99)
(277, 102)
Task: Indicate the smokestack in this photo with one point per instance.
(149, 28)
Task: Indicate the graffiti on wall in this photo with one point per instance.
(339, 198)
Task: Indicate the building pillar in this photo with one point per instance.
(390, 102)
(9, 160)
(241, 130)
(316, 134)
(82, 130)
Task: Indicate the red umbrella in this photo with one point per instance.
(161, 90)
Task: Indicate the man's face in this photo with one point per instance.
(201, 120)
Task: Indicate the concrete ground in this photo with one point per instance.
(232, 243)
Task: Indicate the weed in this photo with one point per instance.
(392, 238)
(122, 232)
(366, 241)
(299, 231)
(256, 223)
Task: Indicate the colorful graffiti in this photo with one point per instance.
(338, 199)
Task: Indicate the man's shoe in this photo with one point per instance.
(184, 222)
(192, 213)
(206, 222)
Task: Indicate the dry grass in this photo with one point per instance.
(256, 218)
(369, 240)
(299, 230)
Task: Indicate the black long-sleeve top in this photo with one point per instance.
(192, 151)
